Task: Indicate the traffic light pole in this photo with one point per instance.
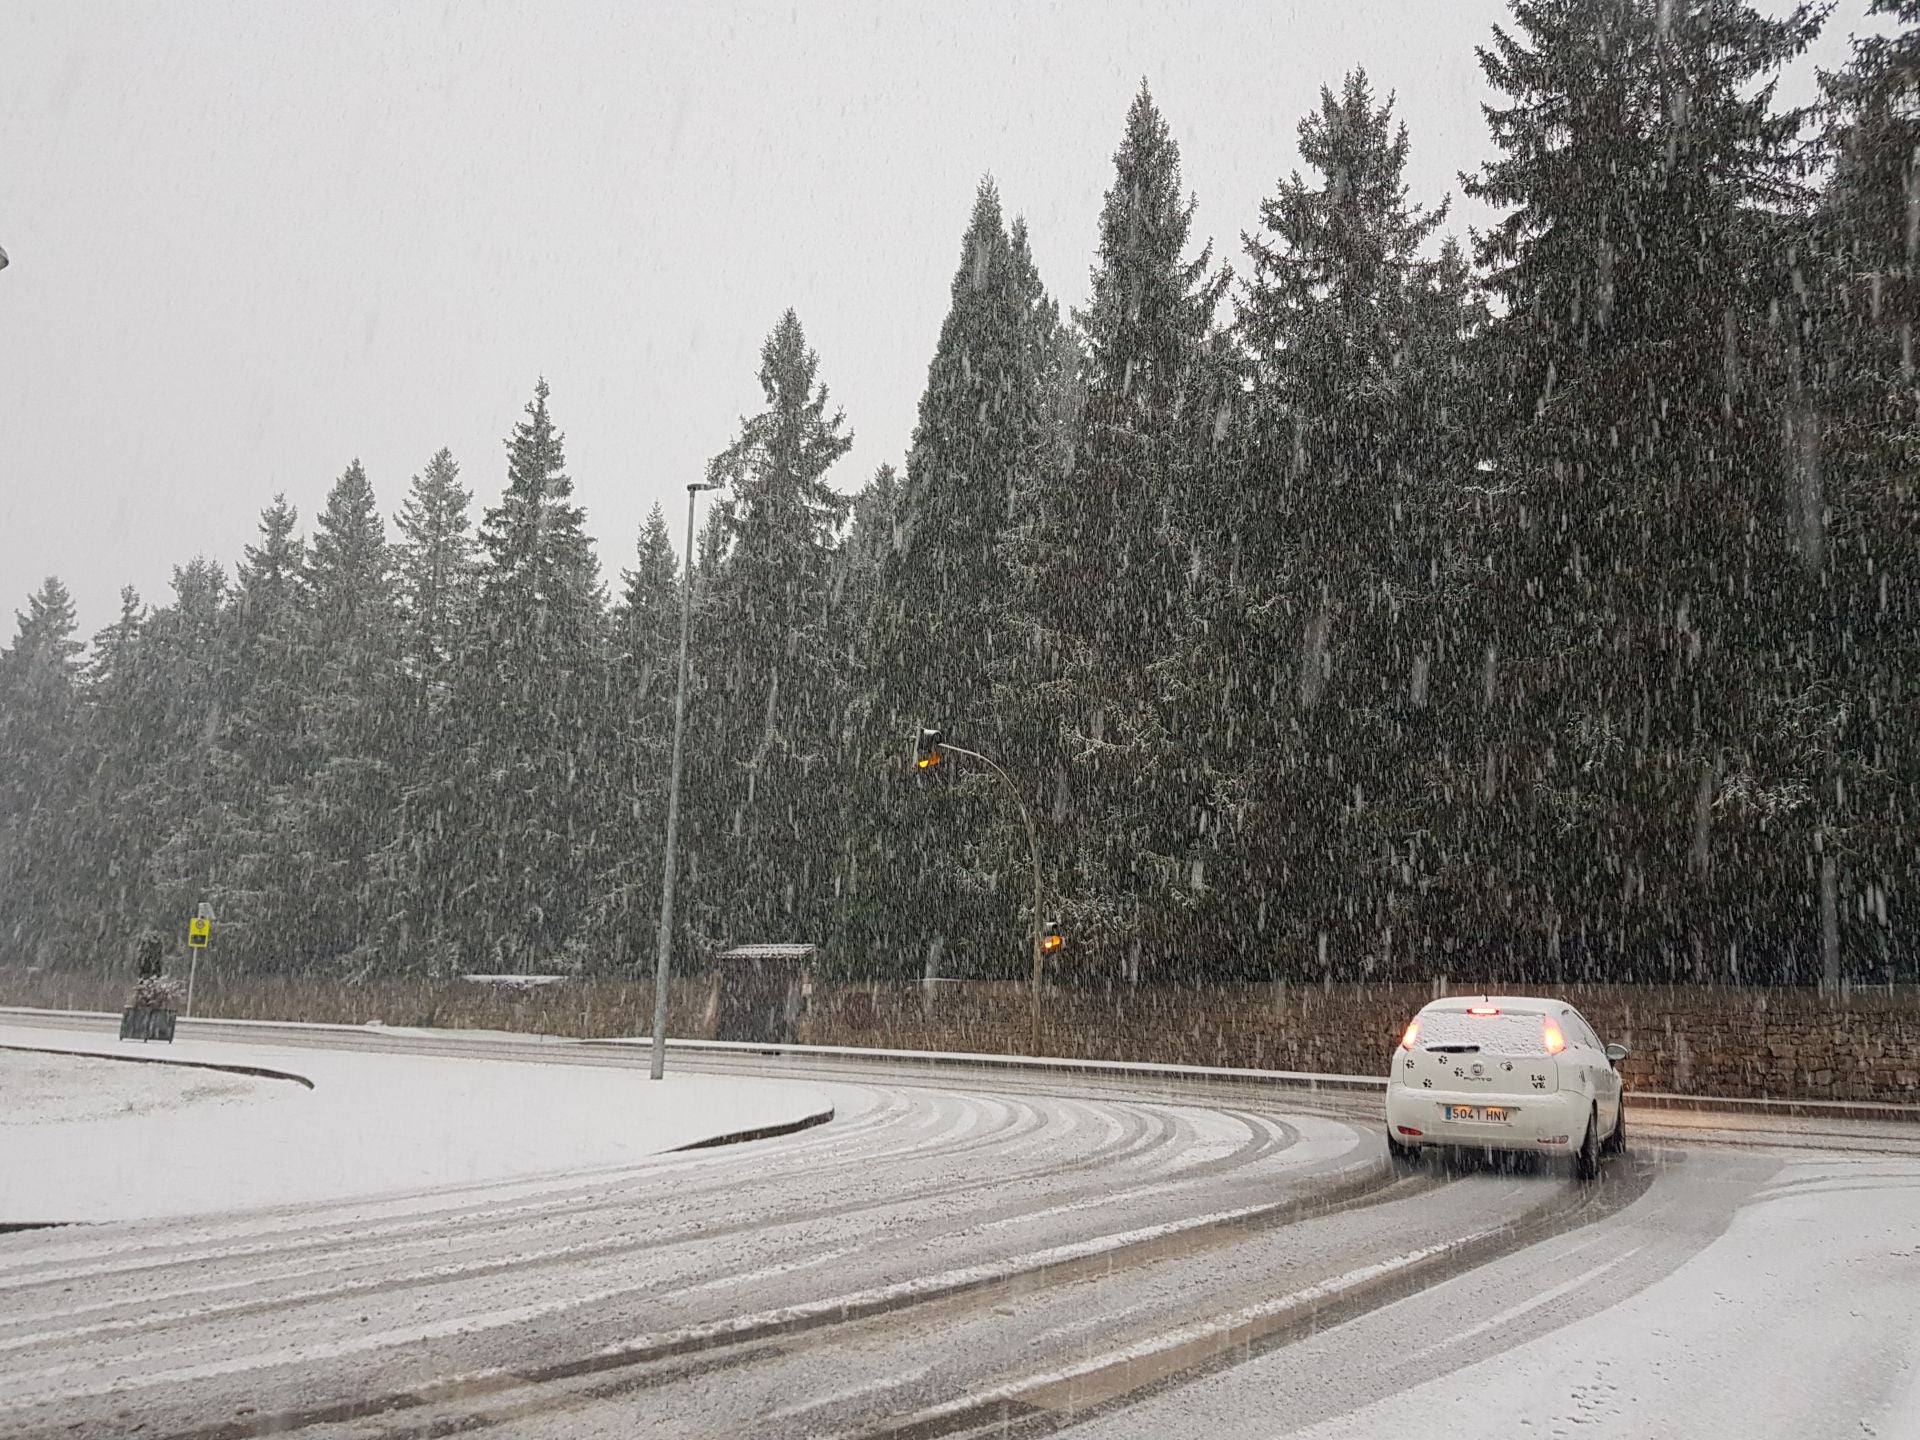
(1033, 850)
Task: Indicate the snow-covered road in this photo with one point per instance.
(1745, 1297)
(983, 1251)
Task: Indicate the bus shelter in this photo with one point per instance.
(759, 991)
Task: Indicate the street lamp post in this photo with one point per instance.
(663, 964)
(1040, 928)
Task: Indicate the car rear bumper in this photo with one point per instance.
(1547, 1124)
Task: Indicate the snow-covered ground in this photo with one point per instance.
(96, 1139)
(1742, 1299)
(42, 1089)
(1802, 1319)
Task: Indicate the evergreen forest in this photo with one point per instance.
(1359, 597)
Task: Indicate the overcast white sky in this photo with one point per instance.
(252, 241)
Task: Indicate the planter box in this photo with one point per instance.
(145, 1022)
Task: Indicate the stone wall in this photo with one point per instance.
(1764, 1044)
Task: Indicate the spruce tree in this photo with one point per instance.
(346, 811)
(978, 431)
(870, 930)
(1111, 554)
(112, 750)
(267, 752)
(1856, 506)
(1331, 593)
(524, 838)
(187, 686)
(39, 674)
(436, 574)
(638, 730)
(767, 736)
(942, 622)
(874, 536)
(437, 582)
(1643, 168)
(647, 617)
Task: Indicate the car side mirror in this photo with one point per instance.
(1617, 1053)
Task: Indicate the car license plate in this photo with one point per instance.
(1492, 1114)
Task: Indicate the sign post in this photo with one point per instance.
(199, 936)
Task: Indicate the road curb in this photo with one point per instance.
(762, 1132)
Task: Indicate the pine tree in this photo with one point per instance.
(978, 431)
(266, 752)
(1644, 169)
(524, 840)
(875, 533)
(638, 727)
(647, 618)
(437, 581)
(39, 676)
(436, 577)
(869, 930)
(346, 812)
(111, 844)
(767, 735)
(1111, 553)
(1856, 506)
(186, 688)
(942, 625)
(44, 651)
(1334, 549)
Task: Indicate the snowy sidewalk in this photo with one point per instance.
(86, 1139)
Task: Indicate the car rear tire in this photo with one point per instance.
(1405, 1158)
(1586, 1160)
(1617, 1141)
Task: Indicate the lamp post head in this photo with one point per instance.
(699, 485)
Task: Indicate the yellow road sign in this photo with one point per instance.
(199, 932)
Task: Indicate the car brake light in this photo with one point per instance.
(1550, 1035)
(1483, 1010)
(1413, 1034)
(1409, 1130)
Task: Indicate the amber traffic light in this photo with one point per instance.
(926, 750)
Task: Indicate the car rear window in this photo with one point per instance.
(1511, 1032)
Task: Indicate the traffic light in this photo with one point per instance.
(926, 750)
(1051, 939)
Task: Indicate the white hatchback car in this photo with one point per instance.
(1505, 1072)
